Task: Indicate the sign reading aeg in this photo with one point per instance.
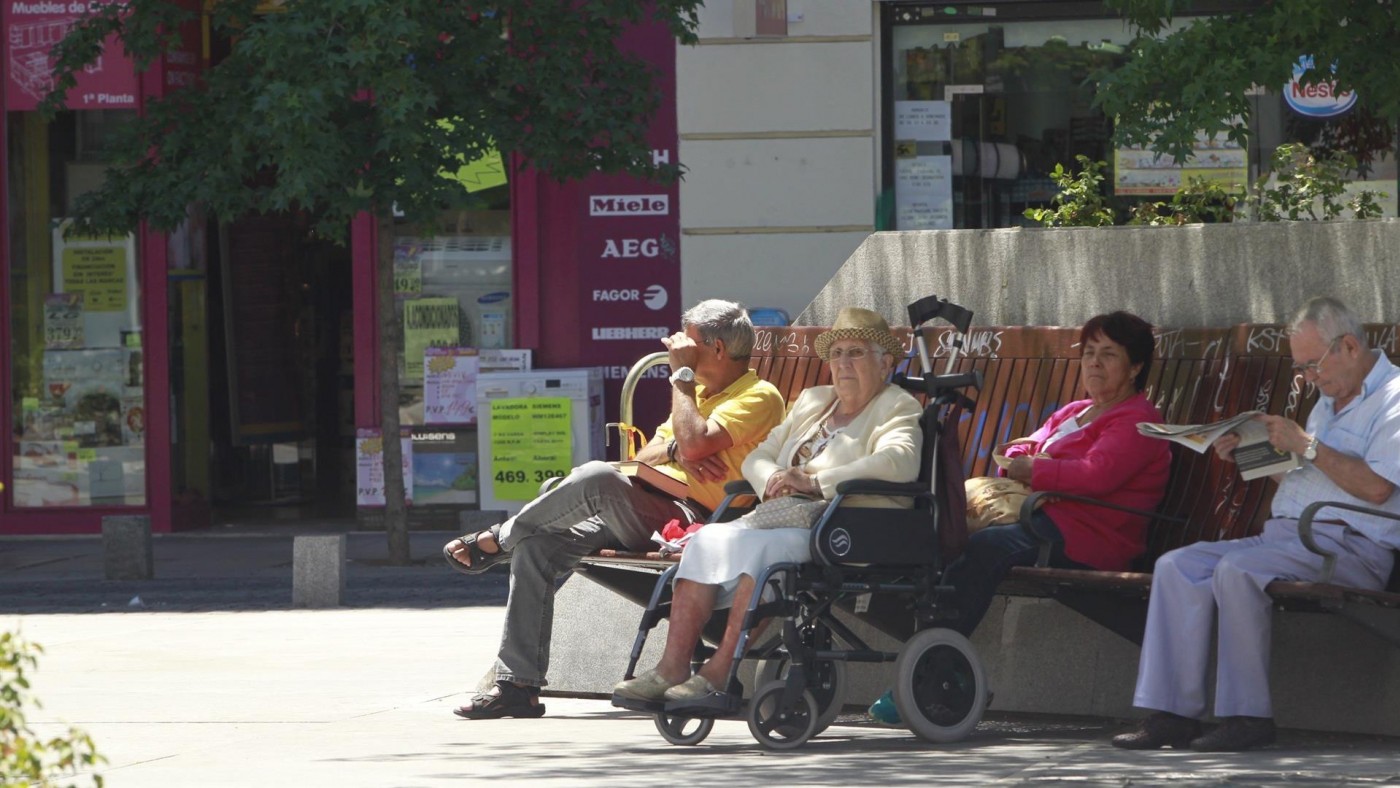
(633, 248)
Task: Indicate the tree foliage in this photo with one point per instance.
(1198, 78)
(26, 760)
(334, 108)
(360, 105)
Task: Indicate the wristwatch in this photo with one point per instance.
(1310, 453)
(685, 374)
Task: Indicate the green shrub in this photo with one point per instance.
(1080, 202)
(1305, 183)
(27, 761)
(1200, 201)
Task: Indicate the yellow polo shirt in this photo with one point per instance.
(746, 409)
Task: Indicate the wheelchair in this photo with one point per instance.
(885, 563)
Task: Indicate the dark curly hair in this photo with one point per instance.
(1128, 330)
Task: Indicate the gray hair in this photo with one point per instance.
(1332, 318)
(727, 321)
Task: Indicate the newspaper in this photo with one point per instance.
(1255, 456)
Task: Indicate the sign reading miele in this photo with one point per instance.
(626, 245)
(629, 205)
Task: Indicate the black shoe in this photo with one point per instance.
(1162, 729)
(503, 700)
(1237, 733)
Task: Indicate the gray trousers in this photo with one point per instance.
(1222, 584)
(594, 507)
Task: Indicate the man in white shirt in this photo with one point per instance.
(1350, 456)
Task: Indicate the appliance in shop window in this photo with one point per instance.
(517, 455)
(476, 271)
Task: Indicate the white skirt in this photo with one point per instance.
(720, 553)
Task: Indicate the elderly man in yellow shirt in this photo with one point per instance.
(720, 411)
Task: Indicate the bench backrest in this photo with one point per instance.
(1199, 376)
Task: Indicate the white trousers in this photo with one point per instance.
(1223, 583)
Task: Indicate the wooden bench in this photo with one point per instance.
(1199, 376)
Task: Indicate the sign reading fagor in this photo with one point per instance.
(629, 205)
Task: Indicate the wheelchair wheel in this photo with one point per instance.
(940, 687)
(778, 728)
(829, 691)
(683, 731)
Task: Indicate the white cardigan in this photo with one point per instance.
(882, 442)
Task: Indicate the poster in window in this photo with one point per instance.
(924, 193)
(923, 121)
(428, 322)
(1217, 159)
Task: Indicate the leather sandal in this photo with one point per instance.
(503, 700)
(480, 561)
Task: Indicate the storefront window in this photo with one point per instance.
(76, 360)
(452, 282)
(982, 107)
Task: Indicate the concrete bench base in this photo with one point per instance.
(1328, 674)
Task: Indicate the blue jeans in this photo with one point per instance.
(989, 556)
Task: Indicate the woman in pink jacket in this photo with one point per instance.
(1090, 447)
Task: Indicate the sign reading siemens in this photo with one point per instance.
(1318, 100)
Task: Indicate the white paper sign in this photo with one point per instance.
(449, 385)
(925, 121)
(369, 467)
(924, 193)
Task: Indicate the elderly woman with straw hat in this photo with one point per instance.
(859, 427)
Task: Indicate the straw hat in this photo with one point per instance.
(852, 322)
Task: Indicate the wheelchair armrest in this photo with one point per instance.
(880, 487)
(738, 487)
(1035, 499)
(1305, 531)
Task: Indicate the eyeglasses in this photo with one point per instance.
(851, 354)
(1315, 367)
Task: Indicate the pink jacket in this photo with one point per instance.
(1108, 460)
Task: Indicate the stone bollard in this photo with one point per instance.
(318, 571)
(472, 520)
(126, 544)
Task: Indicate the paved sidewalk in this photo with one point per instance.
(216, 682)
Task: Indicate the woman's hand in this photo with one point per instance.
(1020, 469)
(1006, 449)
(791, 481)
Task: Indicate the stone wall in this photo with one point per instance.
(1180, 277)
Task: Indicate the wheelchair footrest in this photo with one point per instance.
(715, 705)
(644, 706)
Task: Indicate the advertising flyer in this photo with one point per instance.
(923, 121)
(63, 320)
(924, 193)
(369, 467)
(427, 322)
(1142, 172)
(449, 385)
(531, 441)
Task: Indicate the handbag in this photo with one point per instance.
(993, 500)
(789, 511)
